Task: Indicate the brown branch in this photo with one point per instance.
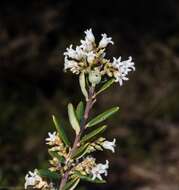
(89, 104)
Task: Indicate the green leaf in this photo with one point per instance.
(103, 116)
(83, 85)
(93, 133)
(72, 118)
(80, 111)
(88, 178)
(71, 185)
(80, 151)
(49, 174)
(54, 154)
(60, 131)
(105, 86)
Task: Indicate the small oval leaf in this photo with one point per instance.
(72, 118)
(103, 116)
(80, 111)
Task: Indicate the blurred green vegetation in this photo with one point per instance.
(33, 37)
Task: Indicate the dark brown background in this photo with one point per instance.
(33, 37)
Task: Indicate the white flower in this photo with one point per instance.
(121, 77)
(125, 66)
(109, 145)
(70, 52)
(122, 69)
(52, 138)
(86, 45)
(77, 54)
(117, 62)
(89, 35)
(100, 169)
(105, 41)
(80, 53)
(33, 179)
(72, 65)
(91, 57)
(30, 179)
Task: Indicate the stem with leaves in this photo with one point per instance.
(89, 104)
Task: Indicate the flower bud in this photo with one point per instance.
(94, 77)
(90, 57)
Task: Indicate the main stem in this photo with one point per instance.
(76, 144)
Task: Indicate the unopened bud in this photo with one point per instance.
(95, 77)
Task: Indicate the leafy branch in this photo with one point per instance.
(72, 162)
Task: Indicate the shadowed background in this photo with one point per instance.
(33, 37)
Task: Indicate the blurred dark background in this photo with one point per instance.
(33, 37)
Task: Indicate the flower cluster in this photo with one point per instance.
(35, 181)
(89, 167)
(91, 58)
(53, 139)
(85, 167)
(56, 144)
(101, 144)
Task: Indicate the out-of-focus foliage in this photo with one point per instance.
(33, 36)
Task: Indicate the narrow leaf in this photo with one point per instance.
(103, 116)
(60, 131)
(72, 118)
(75, 184)
(88, 178)
(80, 151)
(93, 133)
(80, 111)
(49, 174)
(83, 85)
(105, 86)
(71, 184)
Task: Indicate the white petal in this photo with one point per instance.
(89, 35)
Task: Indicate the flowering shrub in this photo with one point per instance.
(72, 162)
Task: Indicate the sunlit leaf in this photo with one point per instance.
(83, 85)
(60, 131)
(93, 133)
(103, 116)
(72, 118)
